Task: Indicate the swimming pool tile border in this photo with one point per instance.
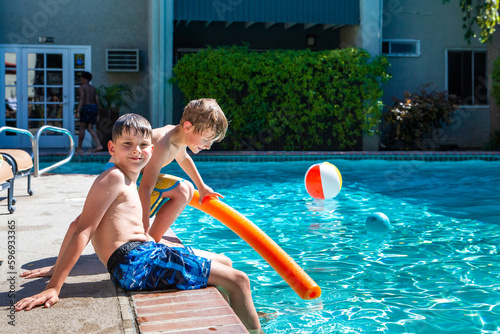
(279, 156)
(283, 156)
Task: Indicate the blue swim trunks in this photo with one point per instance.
(89, 113)
(149, 265)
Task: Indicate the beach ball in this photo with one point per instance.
(377, 222)
(323, 181)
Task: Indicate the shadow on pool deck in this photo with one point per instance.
(89, 302)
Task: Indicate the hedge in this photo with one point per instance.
(286, 99)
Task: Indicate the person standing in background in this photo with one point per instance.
(88, 108)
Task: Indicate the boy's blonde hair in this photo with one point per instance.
(206, 114)
(129, 122)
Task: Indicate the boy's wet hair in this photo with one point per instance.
(129, 122)
(206, 114)
(87, 76)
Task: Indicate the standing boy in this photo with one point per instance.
(202, 124)
(88, 107)
(111, 220)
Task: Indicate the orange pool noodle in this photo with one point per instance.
(280, 261)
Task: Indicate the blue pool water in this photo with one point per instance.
(436, 271)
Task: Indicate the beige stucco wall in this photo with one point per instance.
(470, 128)
(438, 27)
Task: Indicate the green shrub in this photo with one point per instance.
(288, 100)
(416, 115)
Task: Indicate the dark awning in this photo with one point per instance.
(308, 12)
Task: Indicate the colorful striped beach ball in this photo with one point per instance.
(323, 181)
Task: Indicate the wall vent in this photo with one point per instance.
(122, 60)
(401, 47)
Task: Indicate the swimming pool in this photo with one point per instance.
(436, 271)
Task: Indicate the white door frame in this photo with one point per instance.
(23, 105)
(70, 73)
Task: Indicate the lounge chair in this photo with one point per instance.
(21, 164)
(7, 182)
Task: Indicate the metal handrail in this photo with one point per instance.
(23, 132)
(59, 163)
(34, 145)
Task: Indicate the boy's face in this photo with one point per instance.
(131, 150)
(199, 141)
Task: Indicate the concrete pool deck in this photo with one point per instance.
(89, 302)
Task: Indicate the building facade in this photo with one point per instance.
(46, 44)
(425, 43)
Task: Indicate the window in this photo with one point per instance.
(467, 76)
(10, 97)
(401, 47)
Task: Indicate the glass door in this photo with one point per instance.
(39, 86)
(45, 98)
(80, 63)
(9, 59)
(10, 89)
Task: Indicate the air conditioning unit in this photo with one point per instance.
(122, 60)
(401, 47)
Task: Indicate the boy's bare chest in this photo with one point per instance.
(170, 153)
(129, 203)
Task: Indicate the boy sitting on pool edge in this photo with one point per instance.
(203, 122)
(112, 220)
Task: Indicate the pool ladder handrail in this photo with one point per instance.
(59, 163)
(35, 149)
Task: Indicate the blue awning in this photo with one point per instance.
(327, 12)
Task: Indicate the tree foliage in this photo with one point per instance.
(286, 99)
(481, 13)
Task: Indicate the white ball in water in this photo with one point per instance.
(378, 222)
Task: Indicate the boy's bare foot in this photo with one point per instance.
(266, 317)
